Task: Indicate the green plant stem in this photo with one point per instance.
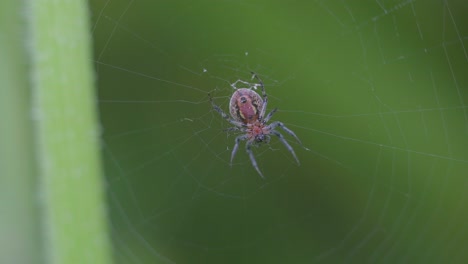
(19, 215)
(66, 133)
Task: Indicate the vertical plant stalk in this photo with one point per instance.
(19, 215)
(66, 133)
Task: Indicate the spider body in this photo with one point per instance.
(247, 109)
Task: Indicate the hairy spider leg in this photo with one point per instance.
(252, 157)
(286, 144)
(224, 115)
(267, 118)
(249, 85)
(234, 84)
(236, 146)
(233, 129)
(276, 124)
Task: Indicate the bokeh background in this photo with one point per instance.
(377, 90)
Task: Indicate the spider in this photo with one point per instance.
(247, 111)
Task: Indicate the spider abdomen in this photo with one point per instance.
(244, 105)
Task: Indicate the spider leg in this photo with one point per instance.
(252, 158)
(265, 97)
(276, 124)
(286, 144)
(234, 84)
(267, 118)
(224, 115)
(232, 129)
(236, 146)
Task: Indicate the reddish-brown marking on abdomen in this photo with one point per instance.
(248, 112)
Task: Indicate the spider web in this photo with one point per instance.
(377, 90)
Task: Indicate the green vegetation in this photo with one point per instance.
(51, 186)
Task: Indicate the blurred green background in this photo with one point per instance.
(376, 89)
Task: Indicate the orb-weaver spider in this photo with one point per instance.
(247, 110)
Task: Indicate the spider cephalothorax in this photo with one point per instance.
(247, 110)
